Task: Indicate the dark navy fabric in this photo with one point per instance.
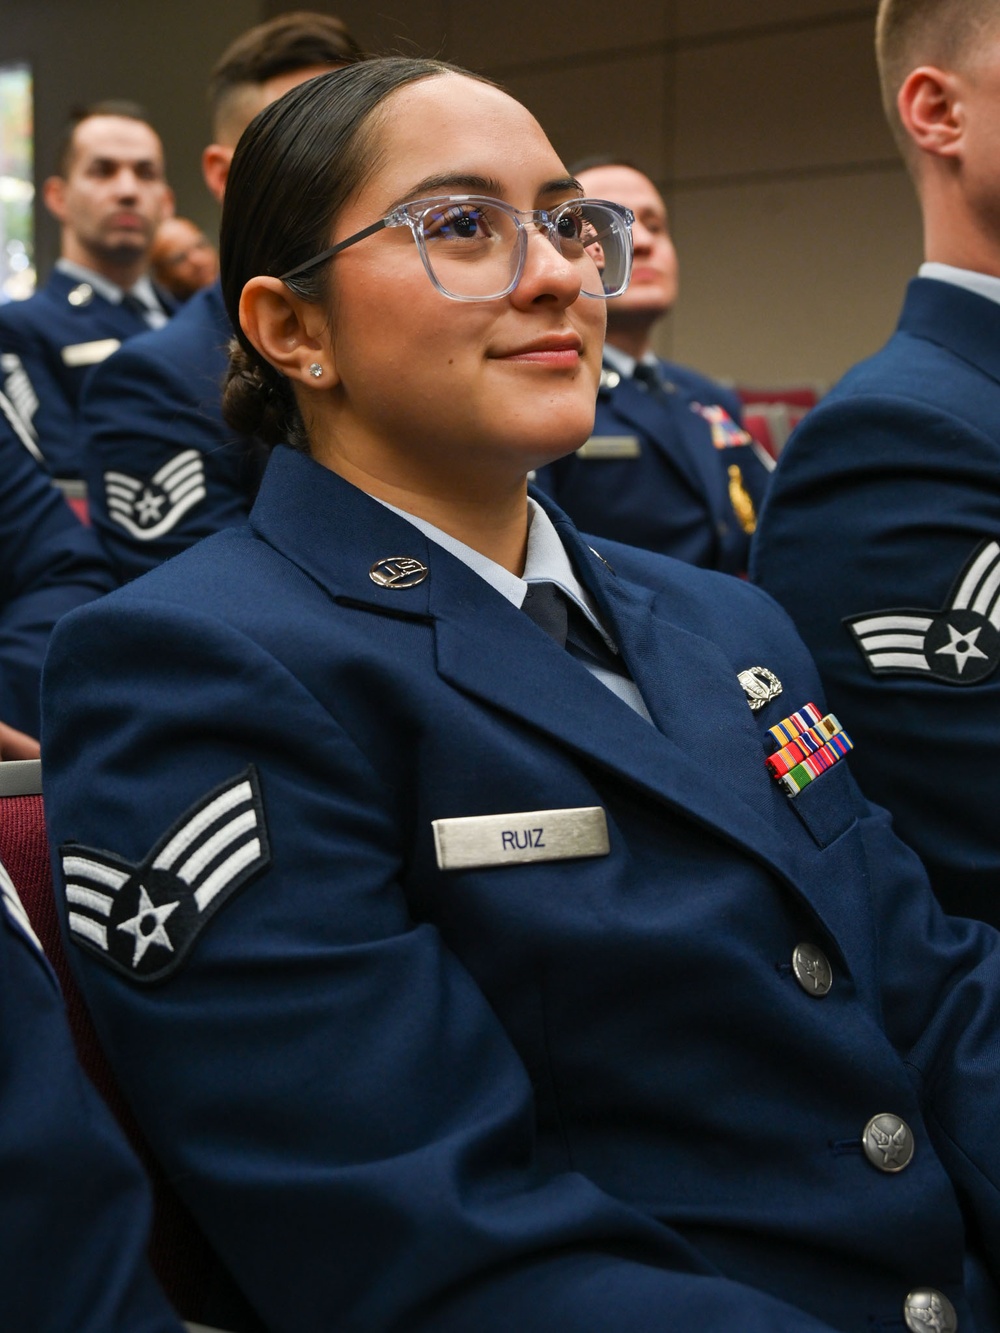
(160, 397)
(882, 497)
(34, 335)
(49, 564)
(673, 496)
(74, 1206)
(584, 1094)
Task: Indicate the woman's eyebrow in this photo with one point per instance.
(449, 182)
(468, 183)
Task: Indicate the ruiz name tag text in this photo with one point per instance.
(514, 839)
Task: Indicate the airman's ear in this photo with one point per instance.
(932, 110)
(54, 194)
(288, 331)
(215, 163)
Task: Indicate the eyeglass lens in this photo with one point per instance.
(473, 250)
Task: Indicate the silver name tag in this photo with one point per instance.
(530, 835)
(89, 354)
(610, 446)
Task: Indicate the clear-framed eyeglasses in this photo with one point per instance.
(473, 247)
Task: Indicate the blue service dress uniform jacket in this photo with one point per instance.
(659, 473)
(49, 564)
(404, 1086)
(74, 1207)
(48, 345)
(162, 467)
(880, 538)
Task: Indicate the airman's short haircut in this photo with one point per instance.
(282, 45)
(110, 107)
(911, 33)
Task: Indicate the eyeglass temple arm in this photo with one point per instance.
(333, 250)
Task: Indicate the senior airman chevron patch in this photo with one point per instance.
(959, 645)
(149, 507)
(144, 919)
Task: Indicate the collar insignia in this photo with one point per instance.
(142, 920)
(959, 645)
(80, 295)
(149, 507)
(398, 571)
(760, 686)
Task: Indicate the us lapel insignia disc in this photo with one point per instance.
(149, 507)
(398, 571)
(142, 920)
(760, 686)
(959, 645)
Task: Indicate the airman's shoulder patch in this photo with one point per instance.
(150, 507)
(143, 920)
(959, 644)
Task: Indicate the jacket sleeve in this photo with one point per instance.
(323, 1081)
(49, 564)
(39, 393)
(877, 506)
(74, 1208)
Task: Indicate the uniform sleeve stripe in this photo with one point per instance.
(182, 460)
(169, 520)
(75, 867)
(91, 930)
(218, 880)
(967, 588)
(202, 819)
(97, 902)
(129, 485)
(210, 849)
(875, 642)
(882, 624)
(15, 908)
(185, 486)
(912, 661)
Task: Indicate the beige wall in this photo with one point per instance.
(760, 119)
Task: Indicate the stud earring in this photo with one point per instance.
(315, 370)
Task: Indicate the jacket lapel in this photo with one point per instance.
(677, 432)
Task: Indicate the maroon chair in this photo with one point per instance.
(181, 1257)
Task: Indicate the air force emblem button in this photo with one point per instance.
(142, 920)
(148, 508)
(959, 645)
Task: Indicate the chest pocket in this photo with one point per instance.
(826, 805)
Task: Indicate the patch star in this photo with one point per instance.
(148, 507)
(962, 647)
(140, 925)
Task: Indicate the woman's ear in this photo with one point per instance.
(288, 331)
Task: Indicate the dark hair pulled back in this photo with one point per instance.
(296, 166)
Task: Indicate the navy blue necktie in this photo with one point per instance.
(561, 618)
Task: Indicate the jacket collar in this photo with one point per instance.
(964, 322)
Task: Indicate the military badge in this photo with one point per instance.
(726, 433)
(959, 645)
(759, 685)
(142, 920)
(149, 507)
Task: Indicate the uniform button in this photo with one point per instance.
(812, 970)
(926, 1308)
(888, 1142)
